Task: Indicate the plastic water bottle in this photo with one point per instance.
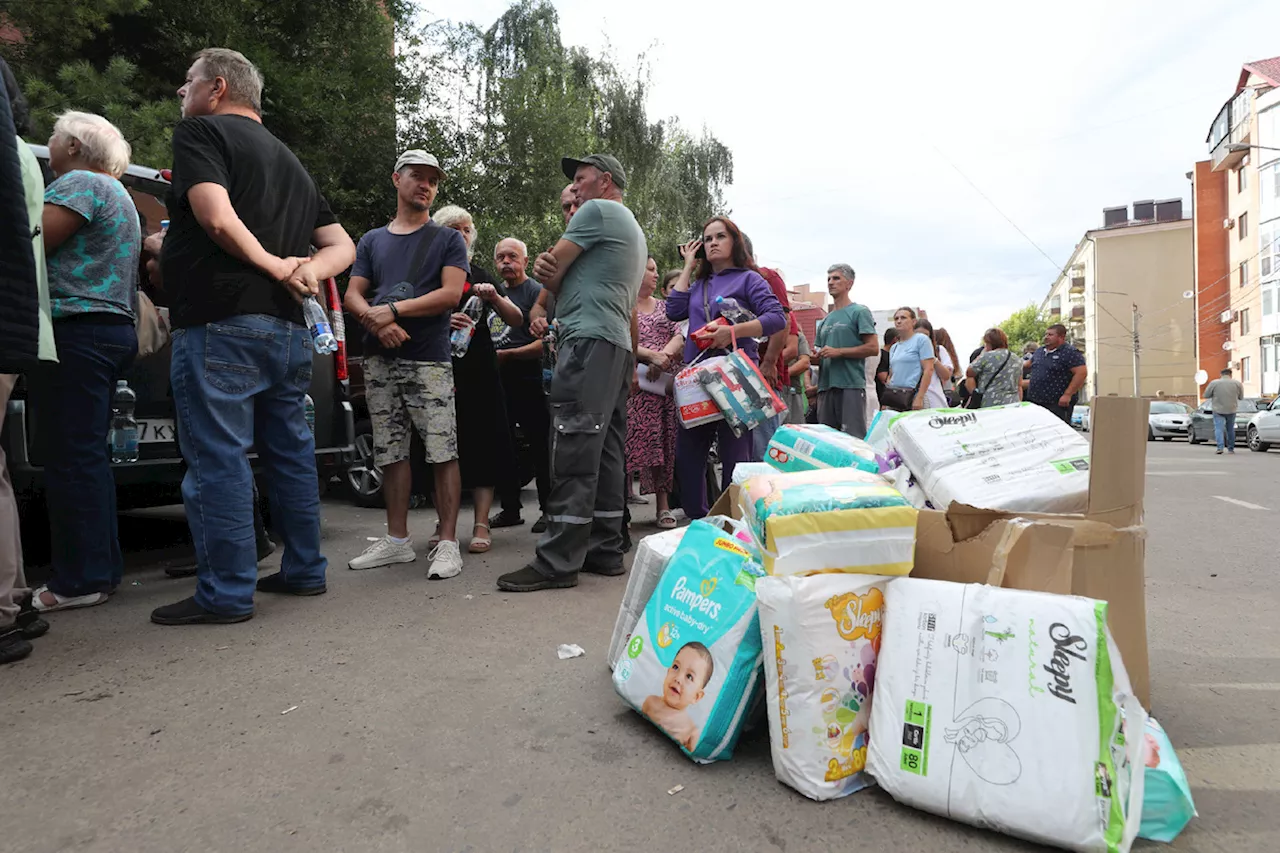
(164, 225)
(460, 339)
(309, 411)
(732, 311)
(548, 357)
(123, 437)
(318, 322)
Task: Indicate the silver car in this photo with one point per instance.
(1168, 420)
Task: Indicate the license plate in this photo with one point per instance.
(156, 430)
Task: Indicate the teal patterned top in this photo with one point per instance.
(96, 269)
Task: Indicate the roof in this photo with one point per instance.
(1267, 69)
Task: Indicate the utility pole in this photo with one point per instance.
(1137, 347)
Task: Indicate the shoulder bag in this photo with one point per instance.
(975, 397)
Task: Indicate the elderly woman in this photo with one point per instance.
(485, 451)
(92, 241)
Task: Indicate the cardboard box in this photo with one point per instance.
(1100, 554)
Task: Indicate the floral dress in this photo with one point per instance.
(997, 388)
(651, 419)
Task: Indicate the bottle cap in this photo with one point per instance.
(164, 225)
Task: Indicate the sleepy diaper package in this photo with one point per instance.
(830, 520)
(1017, 458)
(1167, 807)
(692, 665)
(652, 555)
(806, 447)
(821, 635)
(1004, 709)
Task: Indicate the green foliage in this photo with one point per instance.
(1026, 325)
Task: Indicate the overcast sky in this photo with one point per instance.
(844, 119)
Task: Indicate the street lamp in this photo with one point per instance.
(1245, 148)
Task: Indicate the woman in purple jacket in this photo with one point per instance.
(717, 265)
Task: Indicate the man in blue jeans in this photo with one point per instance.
(1223, 395)
(237, 261)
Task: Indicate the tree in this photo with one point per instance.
(1024, 326)
(331, 77)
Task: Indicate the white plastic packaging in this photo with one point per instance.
(652, 555)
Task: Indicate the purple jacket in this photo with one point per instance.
(746, 286)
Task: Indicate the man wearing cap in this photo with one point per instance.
(407, 278)
(595, 271)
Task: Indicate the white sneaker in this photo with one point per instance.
(446, 561)
(384, 552)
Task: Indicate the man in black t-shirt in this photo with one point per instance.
(1057, 372)
(237, 261)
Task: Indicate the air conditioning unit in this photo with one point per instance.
(1228, 224)
(1228, 345)
(1228, 316)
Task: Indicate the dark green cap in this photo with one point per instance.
(603, 162)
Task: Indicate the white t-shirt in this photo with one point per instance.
(935, 397)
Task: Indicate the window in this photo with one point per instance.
(1244, 321)
(1268, 301)
(1242, 222)
(1242, 178)
(1246, 370)
(1244, 273)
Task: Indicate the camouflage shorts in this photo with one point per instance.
(407, 395)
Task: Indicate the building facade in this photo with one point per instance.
(1242, 319)
(1144, 261)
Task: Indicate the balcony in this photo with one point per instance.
(1231, 127)
(1077, 285)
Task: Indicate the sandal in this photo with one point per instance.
(63, 602)
(480, 544)
(667, 519)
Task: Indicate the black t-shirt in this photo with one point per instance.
(272, 194)
(881, 367)
(525, 296)
(1051, 373)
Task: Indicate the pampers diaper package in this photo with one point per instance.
(806, 447)
(821, 635)
(652, 555)
(1004, 709)
(692, 666)
(1166, 800)
(1018, 458)
(833, 519)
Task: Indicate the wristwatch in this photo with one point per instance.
(394, 311)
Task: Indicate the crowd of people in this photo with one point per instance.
(453, 355)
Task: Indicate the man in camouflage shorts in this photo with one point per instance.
(407, 278)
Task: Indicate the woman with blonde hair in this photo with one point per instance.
(92, 241)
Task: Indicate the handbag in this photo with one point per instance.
(975, 396)
(151, 325)
(899, 399)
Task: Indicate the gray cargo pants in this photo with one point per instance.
(588, 458)
(13, 582)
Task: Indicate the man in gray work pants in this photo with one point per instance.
(595, 271)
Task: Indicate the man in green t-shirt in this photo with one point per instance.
(594, 271)
(846, 338)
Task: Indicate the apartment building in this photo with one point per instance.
(1237, 192)
(1144, 260)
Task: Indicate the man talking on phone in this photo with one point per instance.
(594, 271)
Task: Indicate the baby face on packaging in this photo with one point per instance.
(688, 675)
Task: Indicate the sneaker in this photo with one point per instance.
(278, 583)
(606, 571)
(539, 526)
(529, 579)
(384, 552)
(1219, 451)
(506, 519)
(187, 612)
(446, 561)
(13, 646)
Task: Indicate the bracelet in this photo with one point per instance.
(394, 311)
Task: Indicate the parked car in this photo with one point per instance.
(1080, 418)
(156, 478)
(363, 478)
(1264, 430)
(1168, 420)
(1202, 420)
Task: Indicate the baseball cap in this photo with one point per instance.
(603, 162)
(418, 157)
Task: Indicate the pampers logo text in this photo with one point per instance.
(940, 421)
(694, 601)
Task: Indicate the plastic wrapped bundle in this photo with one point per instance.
(740, 392)
(744, 471)
(1017, 458)
(693, 404)
(652, 555)
(1167, 807)
(830, 520)
(808, 447)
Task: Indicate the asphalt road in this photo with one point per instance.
(400, 714)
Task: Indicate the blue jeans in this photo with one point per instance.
(75, 408)
(239, 384)
(1224, 426)
(762, 435)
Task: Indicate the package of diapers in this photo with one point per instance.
(830, 520)
(821, 635)
(1167, 807)
(1005, 709)
(744, 471)
(652, 555)
(806, 447)
(692, 666)
(1017, 458)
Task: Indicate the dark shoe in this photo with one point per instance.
(31, 624)
(606, 571)
(506, 519)
(530, 579)
(277, 583)
(187, 612)
(265, 548)
(14, 646)
(539, 526)
(1219, 451)
(181, 571)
